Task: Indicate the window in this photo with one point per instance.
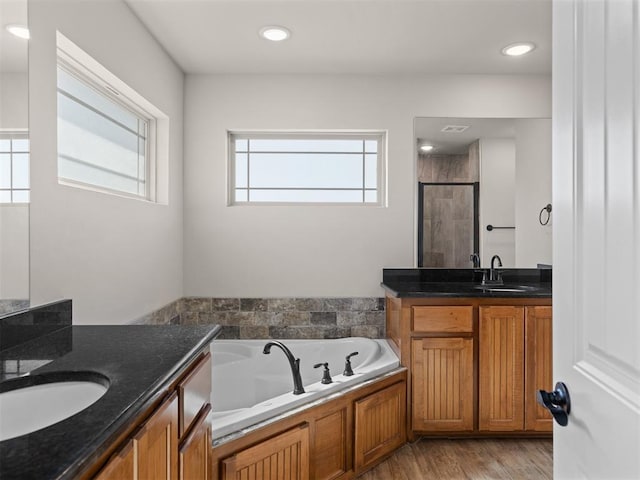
(100, 142)
(14, 167)
(296, 168)
(107, 133)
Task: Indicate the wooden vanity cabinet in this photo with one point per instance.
(194, 421)
(194, 454)
(442, 373)
(152, 452)
(515, 361)
(442, 368)
(156, 443)
(538, 366)
(121, 466)
(501, 364)
(475, 364)
(170, 443)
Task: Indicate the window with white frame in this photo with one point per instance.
(14, 167)
(309, 167)
(106, 131)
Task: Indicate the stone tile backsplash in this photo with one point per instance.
(278, 317)
(8, 305)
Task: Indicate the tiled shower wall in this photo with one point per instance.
(447, 226)
(438, 168)
(278, 317)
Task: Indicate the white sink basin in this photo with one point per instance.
(33, 407)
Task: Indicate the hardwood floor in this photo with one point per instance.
(517, 459)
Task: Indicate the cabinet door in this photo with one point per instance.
(442, 375)
(380, 426)
(194, 454)
(538, 372)
(332, 439)
(501, 369)
(284, 457)
(157, 443)
(121, 466)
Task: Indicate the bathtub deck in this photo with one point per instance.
(468, 459)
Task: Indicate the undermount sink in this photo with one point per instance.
(507, 288)
(35, 402)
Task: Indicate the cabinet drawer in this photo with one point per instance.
(443, 319)
(194, 392)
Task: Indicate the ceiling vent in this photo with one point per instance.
(454, 128)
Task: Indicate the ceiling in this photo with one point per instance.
(13, 50)
(429, 130)
(378, 37)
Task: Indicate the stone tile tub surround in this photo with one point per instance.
(248, 318)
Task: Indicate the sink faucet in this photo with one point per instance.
(495, 276)
(294, 363)
(475, 258)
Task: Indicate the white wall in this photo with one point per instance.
(14, 251)
(497, 199)
(313, 250)
(533, 191)
(14, 219)
(117, 258)
(14, 100)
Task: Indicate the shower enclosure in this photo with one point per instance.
(448, 225)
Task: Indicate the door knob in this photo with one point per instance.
(557, 402)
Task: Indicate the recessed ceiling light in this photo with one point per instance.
(275, 33)
(517, 49)
(19, 31)
(426, 147)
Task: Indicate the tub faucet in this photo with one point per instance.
(326, 375)
(294, 363)
(348, 371)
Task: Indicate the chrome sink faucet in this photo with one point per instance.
(495, 275)
(294, 363)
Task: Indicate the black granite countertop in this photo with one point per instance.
(138, 360)
(452, 283)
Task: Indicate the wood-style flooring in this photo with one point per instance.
(517, 459)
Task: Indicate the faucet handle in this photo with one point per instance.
(348, 371)
(326, 376)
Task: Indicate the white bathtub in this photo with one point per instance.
(249, 386)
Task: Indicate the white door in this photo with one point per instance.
(596, 243)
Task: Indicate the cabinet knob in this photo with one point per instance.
(557, 402)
